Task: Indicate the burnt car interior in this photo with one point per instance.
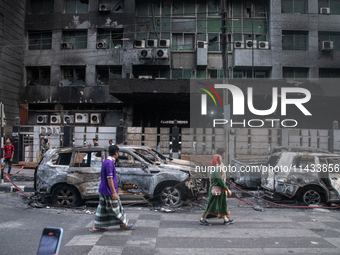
(61, 159)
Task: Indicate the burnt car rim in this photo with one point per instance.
(171, 196)
(311, 197)
(65, 195)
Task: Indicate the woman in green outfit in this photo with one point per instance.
(217, 205)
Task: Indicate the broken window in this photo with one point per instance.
(78, 39)
(38, 75)
(128, 161)
(214, 8)
(294, 6)
(76, 6)
(329, 73)
(294, 40)
(215, 74)
(329, 36)
(304, 162)
(273, 160)
(104, 73)
(61, 159)
(295, 72)
(155, 72)
(39, 40)
(116, 6)
(111, 39)
(333, 5)
(88, 159)
(73, 76)
(182, 42)
(40, 6)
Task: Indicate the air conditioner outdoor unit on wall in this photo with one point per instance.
(81, 118)
(325, 10)
(151, 43)
(145, 54)
(264, 45)
(139, 44)
(162, 54)
(42, 119)
(66, 45)
(95, 118)
(102, 44)
(251, 44)
(327, 45)
(238, 45)
(164, 43)
(68, 119)
(202, 45)
(104, 8)
(55, 119)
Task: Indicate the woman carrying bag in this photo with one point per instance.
(217, 203)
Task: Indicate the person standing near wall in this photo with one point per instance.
(8, 152)
(44, 147)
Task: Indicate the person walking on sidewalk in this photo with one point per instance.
(217, 203)
(8, 152)
(110, 210)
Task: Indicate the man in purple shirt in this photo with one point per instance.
(110, 210)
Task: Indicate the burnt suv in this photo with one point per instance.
(312, 177)
(71, 175)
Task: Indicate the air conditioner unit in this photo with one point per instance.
(264, 45)
(55, 119)
(145, 76)
(102, 44)
(95, 118)
(202, 45)
(325, 10)
(151, 43)
(68, 119)
(251, 44)
(145, 54)
(327, 45)
(104, 8)
(81, 118)
(162, 53)
(164, 43)
(139, 44)
(238, 45)
(66, 45)
(42, 119)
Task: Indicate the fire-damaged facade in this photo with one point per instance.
(86, 60)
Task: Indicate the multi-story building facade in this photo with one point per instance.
(91, 63)
(12, 30)
(76, 48)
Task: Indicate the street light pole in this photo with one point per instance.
(224, 45)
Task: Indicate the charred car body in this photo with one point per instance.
(69, 175)
(310, 176)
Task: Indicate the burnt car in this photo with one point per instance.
(311, 177)
(71, 175)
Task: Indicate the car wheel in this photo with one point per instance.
(171, 196)
(65, 195)
(311, 197)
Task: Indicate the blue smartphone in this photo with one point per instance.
(50, 241)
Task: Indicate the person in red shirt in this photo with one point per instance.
(8, 153)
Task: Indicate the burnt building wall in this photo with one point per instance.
(12, 28)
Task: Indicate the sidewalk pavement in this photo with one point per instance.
(24, 180)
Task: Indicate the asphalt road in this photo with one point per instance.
(274, 231)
